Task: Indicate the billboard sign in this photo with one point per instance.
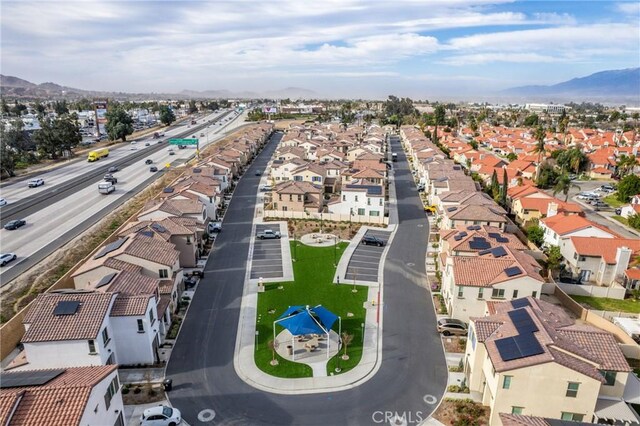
(101, 111)
(270, 110)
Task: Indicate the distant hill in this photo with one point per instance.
(14, 87)
(612, 84)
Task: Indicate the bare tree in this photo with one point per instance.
(273, 345)
(346, 340)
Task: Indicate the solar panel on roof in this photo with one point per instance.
(520, 303)
(508, 349)
(196, 170)
(111, 247)
(479, 244)
(513, 271)
(452, 209)
(15, 379)
(146, 233)
(522, 321)
(498, 251)
(463, 234)
(106, 279)
(158, 227)
(528, 344)
(457, 237)
(66, 307)
(502, 240)
(494, 235)
(483, 252)
(473, 227)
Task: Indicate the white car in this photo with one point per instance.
(6, 258)
(161, 416)
(265, 188)
(35, 183)
(3, 202)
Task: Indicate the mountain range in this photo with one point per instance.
(611, 84)
(18, 88)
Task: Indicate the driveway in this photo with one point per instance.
(266, 261)
(412, 376)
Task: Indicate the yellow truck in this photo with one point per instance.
(97, 154)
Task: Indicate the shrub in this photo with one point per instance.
(137, 390)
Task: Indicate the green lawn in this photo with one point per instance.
(613, 201)
(313, 274)
(621, 219)
(605, 304)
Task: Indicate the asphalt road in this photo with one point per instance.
(413, 368)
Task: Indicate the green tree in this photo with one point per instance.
(40, 108)
(83, 104)
(505, 187)
(634, 221)
(564, 185)
(495, 186)
(18, 108)
(535, 234)
(7, 155)
(347, 116)
(540, 148)
(512, 156)
(474, 144)
(166, 115)
(628, 187)
(439, 116)
(532, 120)
(192, 107)
(554, 259)
(547, 176)
(60, 107)
(119, 123)
(57, 136)
(625, 165)
(6, 110)
(256, 115)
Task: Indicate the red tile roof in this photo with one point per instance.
(565, 224)
(603, 247)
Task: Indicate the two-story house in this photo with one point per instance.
(298, 197)
(560, 226)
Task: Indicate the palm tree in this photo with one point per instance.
(540, 148)
(626, 164)
(564, 185)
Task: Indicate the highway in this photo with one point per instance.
(413, 373)
(69, 202)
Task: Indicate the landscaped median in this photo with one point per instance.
(313, 285)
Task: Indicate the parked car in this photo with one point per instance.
(265, 188)
(268, 234)
(452, 326)
(214, 227)
(110, 178)
(35, 183)
(600, 205)
(369, 240)
(153, 169)
(161, 416)
(148, 161)
(112, 169)
(6, 258)
(258, 173)
(3, 202)
(15, 224)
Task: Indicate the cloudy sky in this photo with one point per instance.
(350, 48)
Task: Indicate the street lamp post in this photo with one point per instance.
(362, 325)
(257, 334)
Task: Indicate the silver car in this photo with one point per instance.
(6, 258)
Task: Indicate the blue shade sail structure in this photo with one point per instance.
(300, 320)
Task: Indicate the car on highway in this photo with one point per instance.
(3, 202)
(148, 161)
(268, 234)
(110, 178)
(202, 135)
(33, 183)
(153, 169)
(6, 258)
(452, 326)
(112, 169)
(15, 224)
(147, 144)
(161, 415)
(370, 240)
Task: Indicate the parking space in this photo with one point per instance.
(365, 260)
(266, 261)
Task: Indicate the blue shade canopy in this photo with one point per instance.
(300, 320)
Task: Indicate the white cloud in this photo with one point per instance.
(629, 8)
(484, 58)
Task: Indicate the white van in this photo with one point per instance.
(106, 187)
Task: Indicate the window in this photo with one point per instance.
(609, 376)
(572, 389)
(151, 317)
(92, 346)
(361, 212)
(374, 213)
(506, 382)
(368, 201)
(497, 293)
(105, 336)
(113, 388)
(575, 417)
(297, 178)
(460, 292)
(344, 198)
(188, 239)
(380, 202)
(515, 294)
(356, 199)
(299, 198)
(140, 326)
(582, 258)
(516, 410)
(534, 294)
(163, 273)
(480, 293)
(316, 179)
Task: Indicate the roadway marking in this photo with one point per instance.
(206, 415)
(430, 399)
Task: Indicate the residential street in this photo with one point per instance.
(413, 374)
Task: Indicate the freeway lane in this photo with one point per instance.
(63, 216)
(92, 173)
(413, 366)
